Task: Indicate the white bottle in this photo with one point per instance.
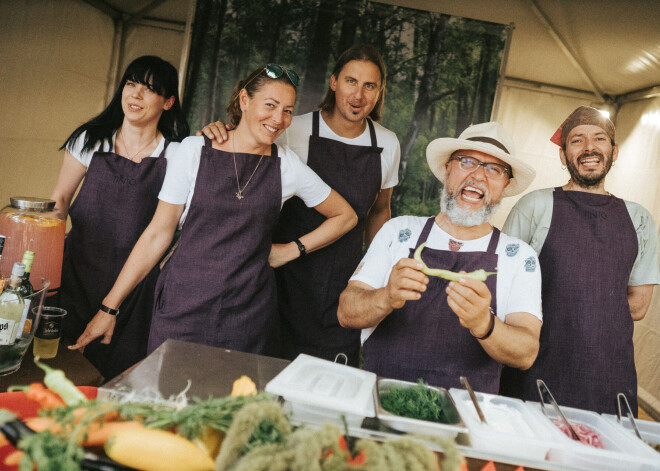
(11, 306)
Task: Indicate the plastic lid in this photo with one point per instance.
(18, 269)
(29, 202)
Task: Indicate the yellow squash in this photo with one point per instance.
(157, 450)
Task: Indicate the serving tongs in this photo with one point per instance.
(543, 390)
(622, 399)
(473, 396)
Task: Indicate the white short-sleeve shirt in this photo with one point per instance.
(297, 178)
(297, 138)
(86, 157)
(518, 273)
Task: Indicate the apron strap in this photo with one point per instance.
(425, 232)
(273, 150)
(372, 132)
(494, 239)
(207, 142)
(315, 123)
(165, 144)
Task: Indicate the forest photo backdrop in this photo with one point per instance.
(442, 71)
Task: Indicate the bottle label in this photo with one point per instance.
(48, 329)
(7, 331)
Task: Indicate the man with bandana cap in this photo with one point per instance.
(425, 327)
(599, 264)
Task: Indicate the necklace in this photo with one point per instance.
(239, 193)
(119, 135)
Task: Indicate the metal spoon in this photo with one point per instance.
(541, 385)
(467, 386)
(621, 398)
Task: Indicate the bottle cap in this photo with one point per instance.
(31, 203)
(18, 269)
(2, 243)
(28, 259)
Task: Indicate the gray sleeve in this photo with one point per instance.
(530, 218)
(645, 270)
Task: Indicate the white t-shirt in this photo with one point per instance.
(86, 157)
(297, 178)
(297, 138)
(518, 273)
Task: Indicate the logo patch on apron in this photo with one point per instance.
(404, 234)
(530, 264)
(512, 250)
(455, 245)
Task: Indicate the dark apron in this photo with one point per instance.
(425, 339)
(586, 355)
(309, 288)
(115, 204)
(217, 288)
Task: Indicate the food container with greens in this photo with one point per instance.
(417, 408)
(510, 428)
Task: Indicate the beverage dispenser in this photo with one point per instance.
(29, 224)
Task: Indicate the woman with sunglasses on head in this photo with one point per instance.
(122, 155)
(218, 286)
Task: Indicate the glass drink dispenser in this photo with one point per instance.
(29, 224)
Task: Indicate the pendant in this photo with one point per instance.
(239, 195)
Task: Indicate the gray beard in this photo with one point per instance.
(464, 217)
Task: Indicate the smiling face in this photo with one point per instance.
(142, 105)
(471, 198)
(268, 112)
(589, 155)
(357, 89)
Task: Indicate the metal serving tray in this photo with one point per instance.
(453, 426)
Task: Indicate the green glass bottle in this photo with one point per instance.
(26, 288)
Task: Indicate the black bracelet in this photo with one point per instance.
(490, 329)
(109, 310)
(301, 247)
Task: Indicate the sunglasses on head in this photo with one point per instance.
(275, 71)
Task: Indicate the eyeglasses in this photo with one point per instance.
(275, 71)
(491, 169)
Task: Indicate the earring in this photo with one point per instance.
(563, 167)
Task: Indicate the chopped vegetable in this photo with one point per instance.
(59, 383)
(37, 392)
(479, 275)
(416, 402)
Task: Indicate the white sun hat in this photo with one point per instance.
(489, 138)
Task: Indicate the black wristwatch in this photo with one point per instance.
(109, 310)
(301, 247)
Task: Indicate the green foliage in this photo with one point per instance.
(464, 80)
(415, 402)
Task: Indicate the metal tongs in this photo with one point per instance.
(621, 398)
(543, 390)
(467, 386)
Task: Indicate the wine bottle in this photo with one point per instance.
(26, 291)
(11, 306)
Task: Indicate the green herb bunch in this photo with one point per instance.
(417, 402)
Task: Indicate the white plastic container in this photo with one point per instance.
(650, 431)
(511, 429)
(320, 390)
(620, 451)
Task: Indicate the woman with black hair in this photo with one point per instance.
(218, 287)
(122, 155)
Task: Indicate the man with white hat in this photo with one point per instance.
(599, 260)
(418, 326)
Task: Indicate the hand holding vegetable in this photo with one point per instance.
(406, 283)
(470, 300)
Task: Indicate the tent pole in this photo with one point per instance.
(115, 58)
(185, 49)
(500, 80)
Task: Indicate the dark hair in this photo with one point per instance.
(252, 84)
(154, 72)
(358, 52)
